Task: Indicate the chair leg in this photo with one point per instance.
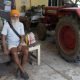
(29, 58)
(33, 56)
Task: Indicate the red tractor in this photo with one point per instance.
(64, 18)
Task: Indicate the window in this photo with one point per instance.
(52, 2)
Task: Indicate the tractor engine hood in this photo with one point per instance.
(72, 9)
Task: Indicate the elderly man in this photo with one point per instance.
(14, 43)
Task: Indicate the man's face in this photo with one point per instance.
(15, 18)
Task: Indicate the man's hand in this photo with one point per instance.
(19, 47)
(23, 43)
(5, 50)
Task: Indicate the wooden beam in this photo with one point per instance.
(30, 3)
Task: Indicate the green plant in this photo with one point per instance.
(23, 8)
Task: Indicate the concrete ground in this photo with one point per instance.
(52, 67)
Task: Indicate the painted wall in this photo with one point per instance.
(39, 2)
(19, 3)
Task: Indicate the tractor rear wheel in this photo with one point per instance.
(41, 31)
(67, 38)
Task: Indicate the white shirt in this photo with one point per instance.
(12, 38)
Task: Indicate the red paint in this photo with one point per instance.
(67, 38)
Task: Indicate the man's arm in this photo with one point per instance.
(22, 42)
(4, 45)
(22, 33)
(22, 38)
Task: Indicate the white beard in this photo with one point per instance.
(14, 21)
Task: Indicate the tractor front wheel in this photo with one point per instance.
(41, 31)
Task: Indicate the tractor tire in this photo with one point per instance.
(41, 31)
(67, 38)
(26, 22)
